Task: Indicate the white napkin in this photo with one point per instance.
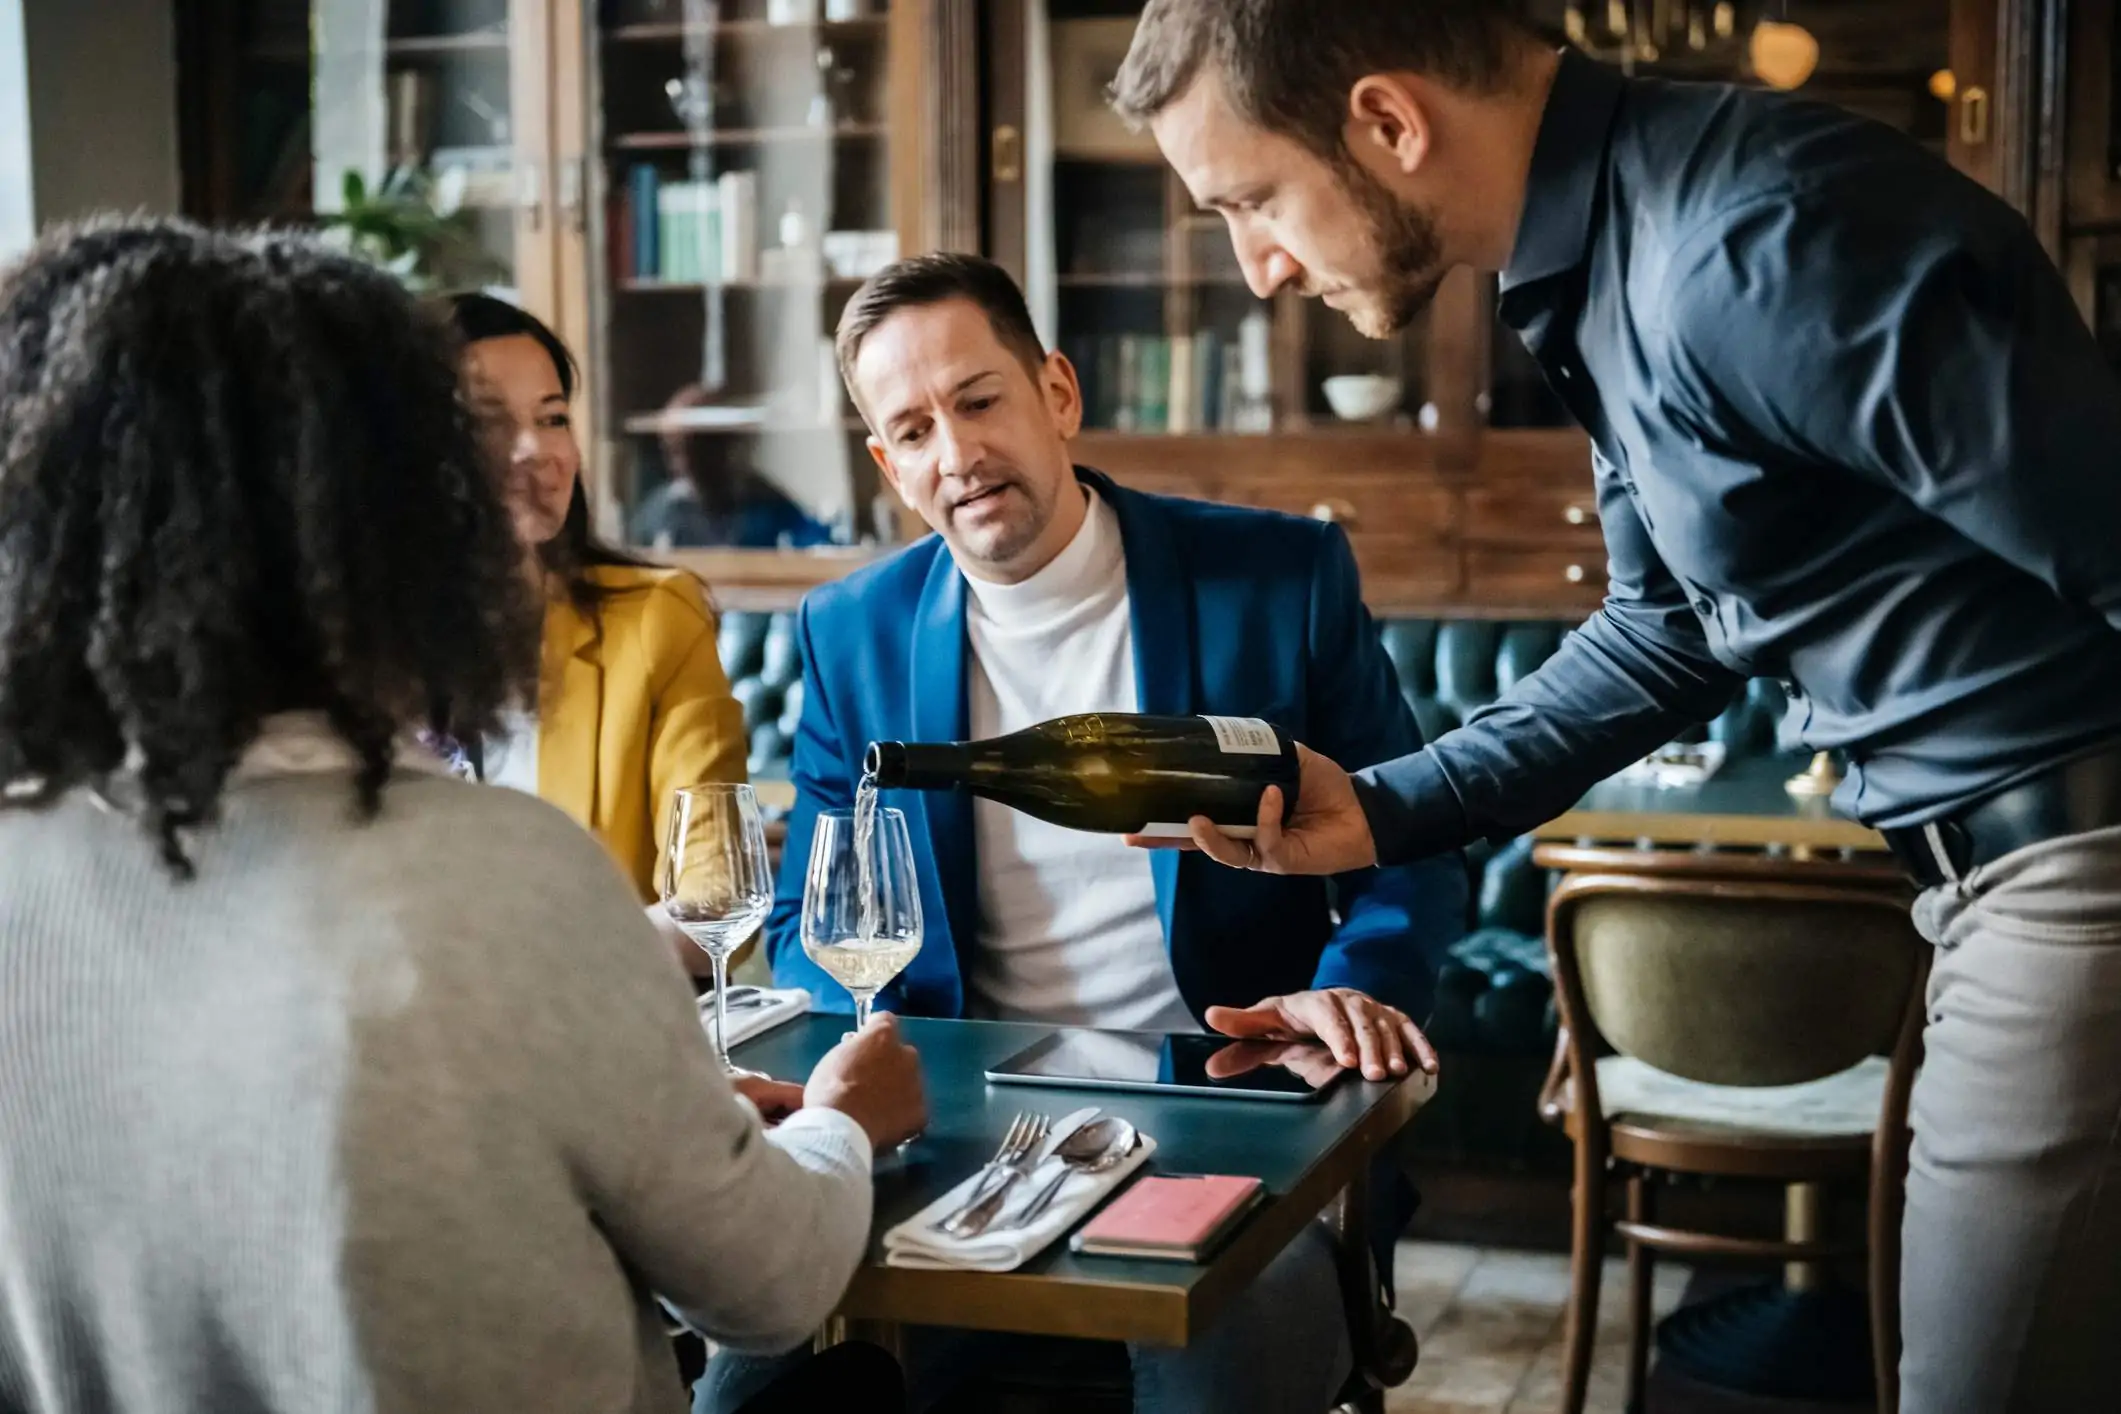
(1676, 767)
(746, 1022)
(1001, 1248)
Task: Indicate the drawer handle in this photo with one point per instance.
(1973, 116)
(1573, 574)
(1575, 515)
(1334, 512)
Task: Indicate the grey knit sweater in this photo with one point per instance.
(405, 1115)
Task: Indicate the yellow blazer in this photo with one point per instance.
(630, 714)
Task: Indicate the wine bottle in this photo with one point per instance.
(1110, 772)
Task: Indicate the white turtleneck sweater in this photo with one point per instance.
(1068, 925)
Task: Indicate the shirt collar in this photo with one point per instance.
(306, 744)
(1568, 161)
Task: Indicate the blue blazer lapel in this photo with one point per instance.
(939, 714)
(1160, 603)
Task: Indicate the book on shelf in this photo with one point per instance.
(692, 232)
(1202, 382)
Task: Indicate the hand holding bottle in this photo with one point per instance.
(1327, 833)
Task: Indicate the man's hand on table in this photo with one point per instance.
(775, 1100)
(1360, 1031)
(1309, 1061)
(874, 1078)
(1327, 834)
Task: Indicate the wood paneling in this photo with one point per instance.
(1542, 579)
(1533, 513)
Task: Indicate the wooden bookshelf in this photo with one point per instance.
(490, 42)
(656, 424)
(677, 31)
(743, 137)
(698, 287)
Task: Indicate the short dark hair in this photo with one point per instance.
(1287, 65)
(238, 479)
(922, 280)
(572, 555)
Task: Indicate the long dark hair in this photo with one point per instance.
(236, 479)
(570, 556)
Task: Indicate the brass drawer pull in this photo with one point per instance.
(1573, 574)
(1576, 515)
(1335, 512)
(1973, 116)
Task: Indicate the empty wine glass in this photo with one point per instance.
(716, 886)
(861, 954)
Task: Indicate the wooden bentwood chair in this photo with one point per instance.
(1726, 1016)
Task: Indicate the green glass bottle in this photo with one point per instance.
(1109, 772)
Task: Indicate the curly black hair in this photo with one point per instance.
(236, 478)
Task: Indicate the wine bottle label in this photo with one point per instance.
(1180, 832)
(1245, 736)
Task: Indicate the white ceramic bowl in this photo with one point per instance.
(1361, 397)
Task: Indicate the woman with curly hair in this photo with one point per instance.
(632, 702)
(329, 1081)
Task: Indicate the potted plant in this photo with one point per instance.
(414, 225)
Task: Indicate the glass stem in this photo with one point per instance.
(721, 1008)
(862, 1003)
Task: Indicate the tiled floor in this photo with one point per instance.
(1490, 1328)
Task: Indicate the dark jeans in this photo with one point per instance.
(855, 1377)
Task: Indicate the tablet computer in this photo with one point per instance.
(1172, 1065)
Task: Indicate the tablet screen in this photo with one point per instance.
(1214, 1064)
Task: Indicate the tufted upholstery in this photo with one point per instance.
(1494, 994)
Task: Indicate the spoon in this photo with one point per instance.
(985, 1205)
(1095, 1148)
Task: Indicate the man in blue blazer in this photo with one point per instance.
(1048, 590)
(1234, 611)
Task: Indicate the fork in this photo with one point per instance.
(1012, 1140)
(1018, 1151)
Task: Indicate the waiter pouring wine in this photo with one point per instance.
(1849, 431)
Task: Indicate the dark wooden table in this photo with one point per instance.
(1745, 803)
(1304, 1154)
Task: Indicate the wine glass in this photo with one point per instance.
(716, 886)
(861, 958)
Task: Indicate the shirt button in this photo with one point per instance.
(1703, 607)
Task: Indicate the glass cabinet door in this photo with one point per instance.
(412, 128)
(1141, 289)
(746, 185)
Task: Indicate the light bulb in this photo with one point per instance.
(1784, 56)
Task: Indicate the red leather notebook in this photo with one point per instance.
(1176, 1216)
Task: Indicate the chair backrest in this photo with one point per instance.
(1734, 981)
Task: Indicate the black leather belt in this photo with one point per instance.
(2079, 795)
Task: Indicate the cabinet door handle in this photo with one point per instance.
(1573, 574)
(1973, 116)
(1334, 512)
(530, 194)
(573, 188)
(1008, 153)
(1575, 515)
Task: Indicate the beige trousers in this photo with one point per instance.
(2011, 1283)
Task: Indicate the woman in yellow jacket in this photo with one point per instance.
(633, 702)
